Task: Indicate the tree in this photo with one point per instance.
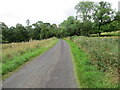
(86, 28)
(84, 10)
(54, 29)
(103, 15)
(4, 31)
(17, 34)
(69, 26)
(36, 32)
(117, 19)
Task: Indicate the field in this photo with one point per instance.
(96, 59)
(108, 34)
(16, 54)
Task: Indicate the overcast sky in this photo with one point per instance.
(52, 11)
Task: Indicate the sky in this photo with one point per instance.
(52, 11)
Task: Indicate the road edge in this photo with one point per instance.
(74, 66)
(17, 69)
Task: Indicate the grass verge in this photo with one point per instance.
(88, 75)
(11, 65)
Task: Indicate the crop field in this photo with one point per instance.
(15, 54)
(103, 55)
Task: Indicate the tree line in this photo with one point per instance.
(91, 18)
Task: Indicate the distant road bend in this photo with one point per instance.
(53, 69)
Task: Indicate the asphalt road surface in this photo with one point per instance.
(53, 69)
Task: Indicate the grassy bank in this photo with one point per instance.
(16, 54)
(89, 73)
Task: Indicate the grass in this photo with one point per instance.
(103, 51)
(88, 73)
(108, 34)
(16, 54)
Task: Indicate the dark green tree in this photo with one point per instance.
(4, 31)
(103, 15)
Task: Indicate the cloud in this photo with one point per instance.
(53, 11)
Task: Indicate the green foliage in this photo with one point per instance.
(84, 10)
(103, 53)
(88, 75)
(4, 31)
(87, 28)
(15, 34)
(91, 18)
(36, 31)
(69, 26)
(113, 26)
(103, 15)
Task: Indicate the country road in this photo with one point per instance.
(53, 69)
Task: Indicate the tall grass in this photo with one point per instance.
(16, 54)
(103, 54)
